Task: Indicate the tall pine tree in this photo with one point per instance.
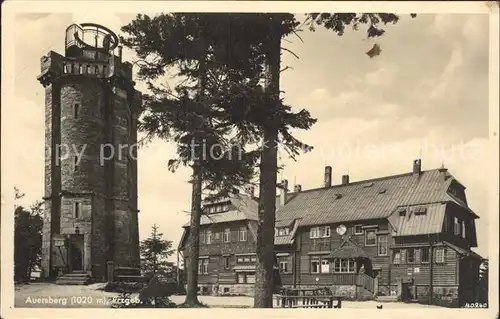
(192, 115)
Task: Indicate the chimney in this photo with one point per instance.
(284, 192)
(297, 188)
(442, 170)
(345, 179)
(328, 176)
(417, 167)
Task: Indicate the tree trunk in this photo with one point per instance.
(197, 182)
(268, 174)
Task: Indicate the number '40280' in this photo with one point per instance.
(476, 305)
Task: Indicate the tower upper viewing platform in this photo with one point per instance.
(90, 39)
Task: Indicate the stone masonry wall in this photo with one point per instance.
(106, 193)
(81, 135)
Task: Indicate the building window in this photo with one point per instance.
(324, 231)
(410, 256)
(227, 261)
(250, 278)
(319, 232)
(424, 255)
(439, 255)
(246, 259)
(76, 110)
(358, 229)
(314, 232)
(344, 265)
(240, 278)
(80, 69)
(370, 238)
(227, 235)
(68, 68)
(203, 267)
(315, 265)
(76, 210)
(396, 257)
(382, 245)
(202, 237)
(243, 234)
(217, 236)
(283, 231)
(209, 237)
(320, 265)
(456, 226)
(245, 278)
(463, 229)
(211, 210)
(325, 266)
(283, 265)
(89, 69)
(104, 70)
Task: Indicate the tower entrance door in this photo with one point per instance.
(75, 252)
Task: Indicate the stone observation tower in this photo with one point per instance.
(91, 107)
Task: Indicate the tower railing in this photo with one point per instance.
(90, 35)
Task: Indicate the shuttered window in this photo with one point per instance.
(403, 256)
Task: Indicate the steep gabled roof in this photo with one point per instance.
(348, 249)
(368, 199)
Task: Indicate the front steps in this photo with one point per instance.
(74, 278)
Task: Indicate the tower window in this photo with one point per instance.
(75, 160)
(76, 210)
(76, 110)
(68, 68)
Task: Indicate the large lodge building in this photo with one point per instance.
(403, 236)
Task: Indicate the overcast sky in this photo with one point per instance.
(425, 96)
